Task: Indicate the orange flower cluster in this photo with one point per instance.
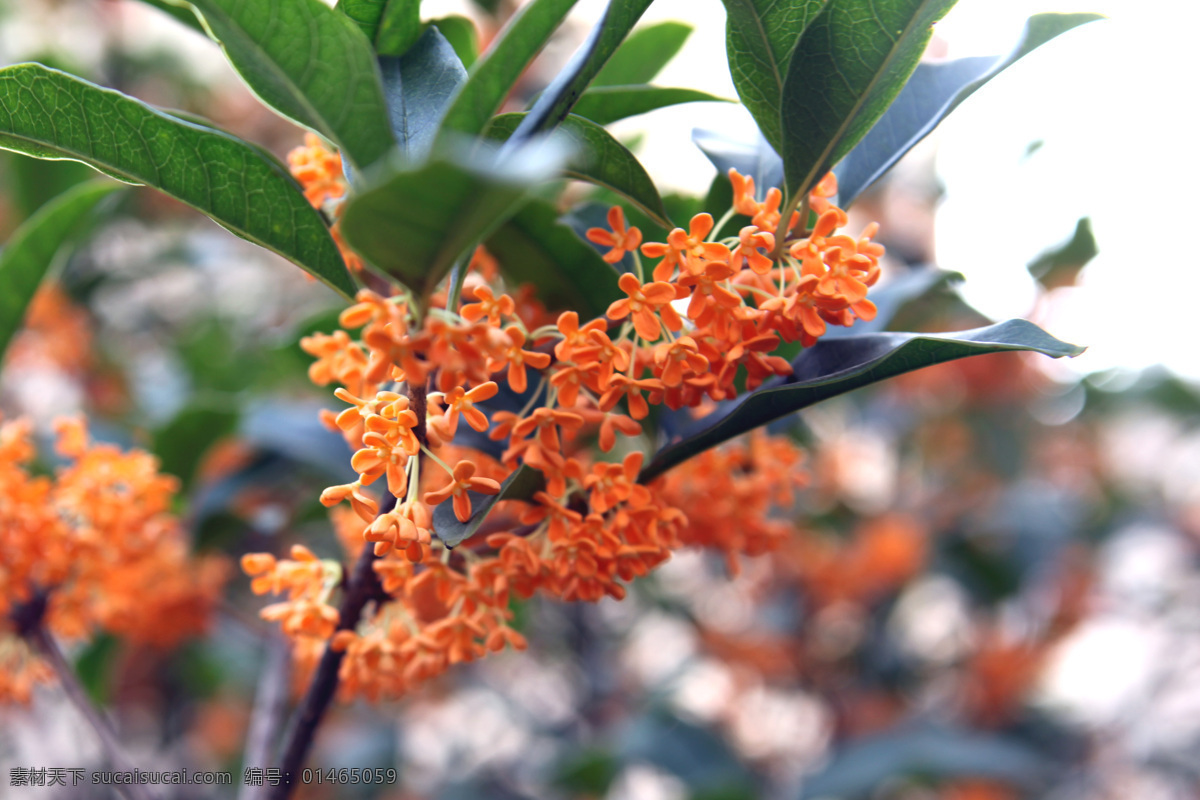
(99, 541)
(319, 172)
(740, 487)
(416, 387)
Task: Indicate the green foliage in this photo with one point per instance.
(32, 250)
(597, 157)
(414, 223)
(562, 94)
(275, 44)
(419, 86)
(643, 54)
(534, 247)
(608, 104)
(50, 114)
(391, 25)
(759, 38)
(935, 89)
(833, 367)
(493, 75)
(850, 63)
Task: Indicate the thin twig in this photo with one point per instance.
(44, 642)
(270, 709)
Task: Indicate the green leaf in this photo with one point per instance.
(850, 63)
(521, 485)
(564, 91)
(462, 35)
(391, 25)
(836, 366)
(32, 248)
(759, 38)
(608, 104)
(494, 74)
(182, 442)
(534, 247)
(643, 55)
(310, 63)
(49, 114)
(419, 87)
(935, 89)
(414, 223)
(1060, 266)
(600, 159)
(181, 14)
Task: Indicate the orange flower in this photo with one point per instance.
(621, 240)
(463, 482)
(646, 303)
(494, 308)
(518, 358)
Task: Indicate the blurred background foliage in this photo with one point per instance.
(990, 593)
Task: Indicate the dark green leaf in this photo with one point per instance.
(32, 248)
(182, 442)
(311, 64)
(835, 366)
(492, 77)
(419, 87)
(936, 89)
(365, 13)
(598, 158)
(399, 27)
(415, 223)
(565, 90)
(521, 485)
(462, 35)
(490, 6)
(759, 38)
(850, 63)
(534, 247)
(608, 104)
(643, 55)
(1061, 265)
(181, 14)
(49, 114)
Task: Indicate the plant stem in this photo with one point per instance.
(361, 586)
(45, 644)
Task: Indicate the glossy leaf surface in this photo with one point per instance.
(311, 64)
(759, 38)
(419, 87)
(850, 63)
(836, 366)
(49, 114)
